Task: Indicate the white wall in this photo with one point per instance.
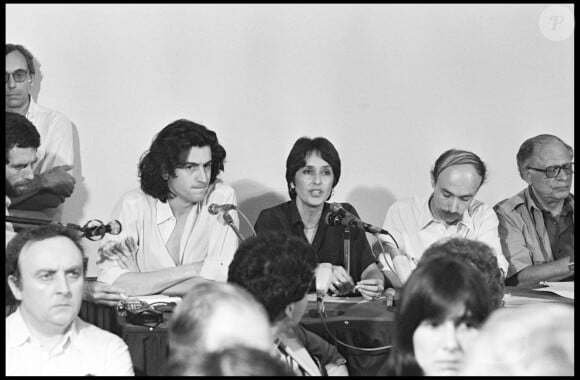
(392, 86)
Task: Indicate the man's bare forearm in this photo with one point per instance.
(147, 283)
(181, 289)
(532, 275)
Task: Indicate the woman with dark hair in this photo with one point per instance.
(441, 307)
(312, 172)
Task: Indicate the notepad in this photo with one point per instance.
(564, 288)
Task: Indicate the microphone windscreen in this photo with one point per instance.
(116, 227)
(212, 209)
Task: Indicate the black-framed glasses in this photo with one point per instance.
(19, 76)
(553, 171)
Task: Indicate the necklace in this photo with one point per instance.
(309, 228)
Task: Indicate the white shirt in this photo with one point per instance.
(208, 242)
(9, 227)
(56, 149)
(412, 224)
(84, 350)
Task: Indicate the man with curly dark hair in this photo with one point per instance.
(277, 269)
(475, 253)
(170, 241)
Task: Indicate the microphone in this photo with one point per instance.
(114, 228)
(339, 216)
(215, 209)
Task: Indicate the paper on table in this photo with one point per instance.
(564, 288)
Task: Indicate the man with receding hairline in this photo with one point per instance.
(451, 210)
(536, 226)
(43, 197)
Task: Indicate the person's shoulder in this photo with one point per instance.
(276, 209)
(508, 205)
(97, 336)
(136, 195)
(220, 192)
(54, 116)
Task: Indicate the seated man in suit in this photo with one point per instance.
(536, 226)
(277, 270)
(169, 240)
(451, 210)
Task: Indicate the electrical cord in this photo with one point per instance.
(322, 316)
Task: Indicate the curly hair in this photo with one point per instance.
(453, 157)
(429, 294)
(27, 55)
(169, 149)
(275, 268)
(297, 159)
(20, 132)
(475, 253)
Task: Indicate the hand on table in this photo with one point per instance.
(340, 282)
(102, 293)
(370, 288)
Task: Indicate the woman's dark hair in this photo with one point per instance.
(434, 288)
(169, 149)
(301, 149)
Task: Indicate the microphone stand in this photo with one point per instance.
(230, 221)
(38, 222)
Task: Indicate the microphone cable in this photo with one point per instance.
(338, 341)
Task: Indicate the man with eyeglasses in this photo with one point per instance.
(536, 226)
(44, 196)
(170, 241)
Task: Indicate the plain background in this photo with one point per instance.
(392, 86)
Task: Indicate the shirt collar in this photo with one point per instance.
(31, 107)
(20, 334)
(426, 216)
(296, 220)
(164, 212)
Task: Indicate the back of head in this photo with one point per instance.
(478, 254)
(209, 318)
(20, 132)
(531, 340)
(275, 268)
(434, 289)
(232, 361)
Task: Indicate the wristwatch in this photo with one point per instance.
(571, 266)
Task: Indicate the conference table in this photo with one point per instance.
(363, 330)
